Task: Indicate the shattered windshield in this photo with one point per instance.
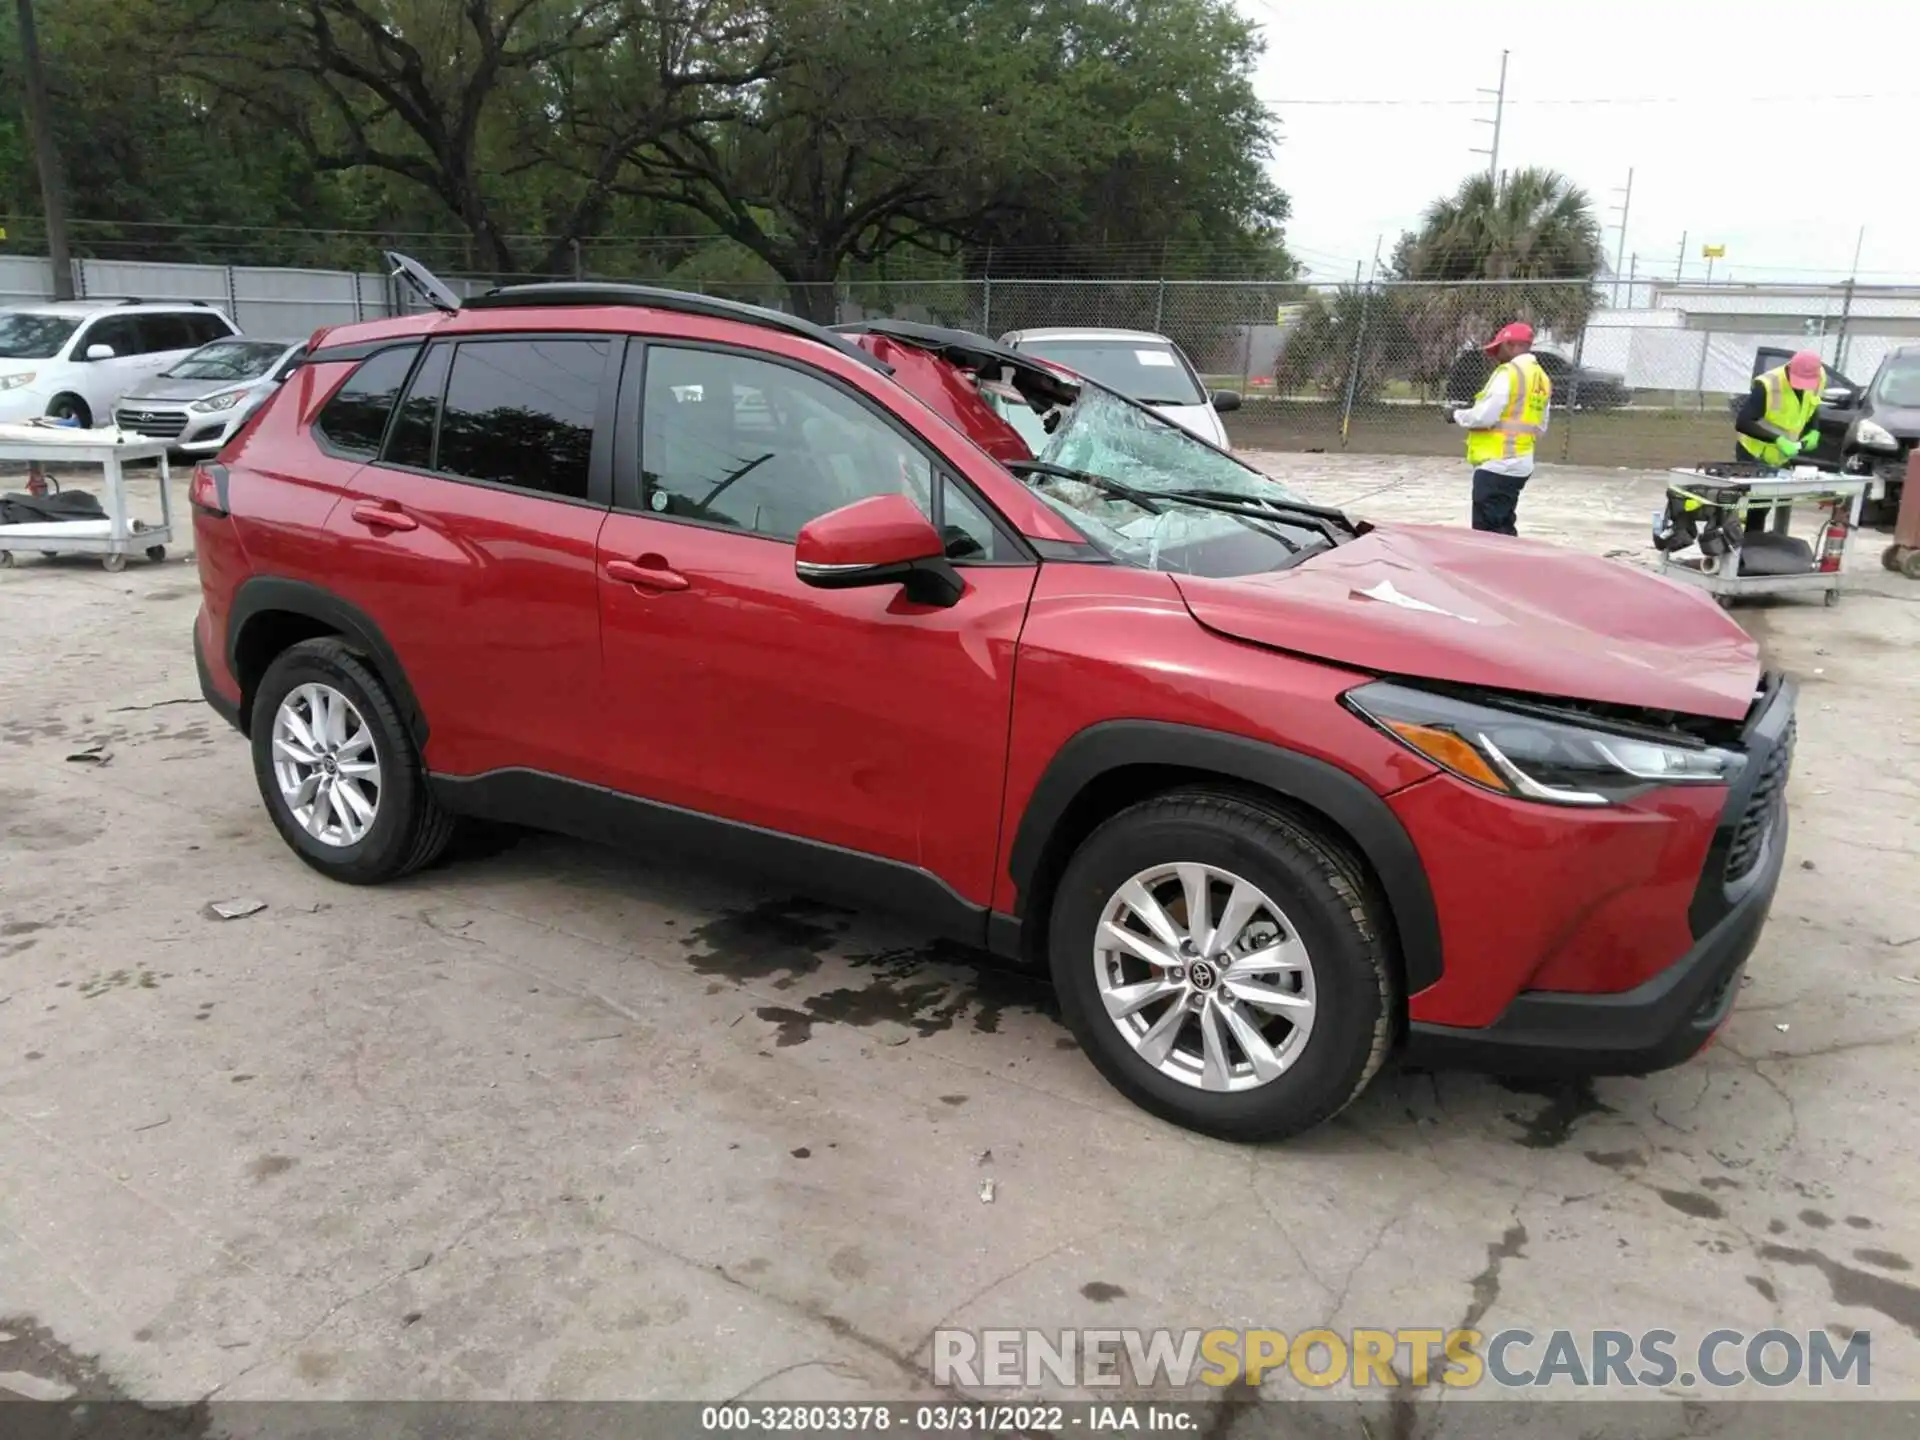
(1159, 507)
(229, 360)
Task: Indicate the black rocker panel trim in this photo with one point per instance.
(611, 817)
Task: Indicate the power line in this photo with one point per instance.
(1695, 99)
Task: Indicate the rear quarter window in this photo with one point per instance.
(353, 422)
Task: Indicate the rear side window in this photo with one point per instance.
(353, 421)
(520, 413)
(411, 443)
(164, 332)
(206, 327)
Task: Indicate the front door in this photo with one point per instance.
(470, 542)
(855, 718)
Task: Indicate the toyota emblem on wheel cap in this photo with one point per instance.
(1202, 975)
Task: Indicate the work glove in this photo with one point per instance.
(1787, 446)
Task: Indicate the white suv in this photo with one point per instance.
(73, 358)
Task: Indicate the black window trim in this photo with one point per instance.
(599, 494)
(326, 442)
(628, 500)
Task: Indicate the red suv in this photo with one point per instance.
(906, 615)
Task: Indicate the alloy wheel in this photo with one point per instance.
(1205, 977)
(326, 764)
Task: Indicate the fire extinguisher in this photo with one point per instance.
(1833, 537)
(36, 479)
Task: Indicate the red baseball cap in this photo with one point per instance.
(1518, 331)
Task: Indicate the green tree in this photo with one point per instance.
(471, 100)
(1530, 225)
(945, 125)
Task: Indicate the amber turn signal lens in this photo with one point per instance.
(1449, 751)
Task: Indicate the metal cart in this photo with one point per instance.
(112, 539)
(1771, 496)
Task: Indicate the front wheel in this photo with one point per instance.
(1222, 965)
(340, 774)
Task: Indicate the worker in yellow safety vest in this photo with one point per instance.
(1774, 425)
(1506, 419)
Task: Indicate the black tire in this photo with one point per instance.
(410, 829)
(1325, 893)
(64, 407)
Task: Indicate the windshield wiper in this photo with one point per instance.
(1319, 517)
(1087, 477)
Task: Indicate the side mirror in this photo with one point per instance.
(1225, 401)
(884, 540)
(100, 352)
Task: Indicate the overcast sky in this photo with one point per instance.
(1720, 73)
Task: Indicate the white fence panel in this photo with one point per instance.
(146, 280)
(292, 304)
(25, 277)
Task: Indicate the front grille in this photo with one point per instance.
(1750, 834)
(166, 424)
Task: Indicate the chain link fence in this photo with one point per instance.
(1643, 374)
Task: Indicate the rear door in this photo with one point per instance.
(470, 541)
(855, 718)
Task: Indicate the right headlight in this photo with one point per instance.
(1874, 436)
(1532, 757)
(14, 382)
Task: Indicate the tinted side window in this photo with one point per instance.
(353, 421)
(761, 447)
(164, 332)
(520, 413)
(114, 330)
(207, 327)
(411, 442)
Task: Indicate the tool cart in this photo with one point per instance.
(1727, 528)
(116, 536)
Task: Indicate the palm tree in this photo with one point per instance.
(1527, 225)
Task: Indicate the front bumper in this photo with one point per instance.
(1668, 1018)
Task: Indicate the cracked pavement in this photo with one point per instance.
(559, 1123)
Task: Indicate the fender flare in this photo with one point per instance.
(1366, 819)
(273, 594)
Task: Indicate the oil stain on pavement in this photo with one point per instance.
(34, 1365)
(924, 989)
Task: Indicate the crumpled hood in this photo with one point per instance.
(1452, 605)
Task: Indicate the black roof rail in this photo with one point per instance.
(137, 300)
(680, 302)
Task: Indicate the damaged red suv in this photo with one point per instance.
(1272, 792)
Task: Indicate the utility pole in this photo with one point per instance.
(46, 155)
(1680, 262)
(1499, 106)
(1633, 269)
(1620, 249)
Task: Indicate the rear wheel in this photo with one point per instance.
(339, 772)
(1222, 965)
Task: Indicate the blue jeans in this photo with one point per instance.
(1496, 499)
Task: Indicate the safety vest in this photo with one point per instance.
(1789, 412)
(1524, 419)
